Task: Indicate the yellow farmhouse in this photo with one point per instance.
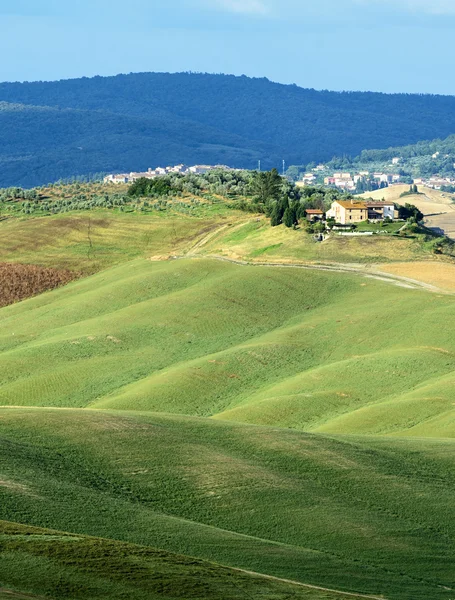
(348, 211)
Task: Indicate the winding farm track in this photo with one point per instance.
(206, 239)
(363, 270)
(367, 271)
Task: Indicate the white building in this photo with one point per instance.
(309, 178)
(200, 169)
(178, 169)
(377, 211)
(117, 179)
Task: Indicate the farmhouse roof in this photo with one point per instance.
(314, 211)
(352, 204)
(379, 204)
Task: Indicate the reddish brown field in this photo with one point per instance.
(18, 282)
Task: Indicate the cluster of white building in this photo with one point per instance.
(160, 171)
(435, 182)
(348, 182)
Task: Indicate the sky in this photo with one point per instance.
(376, 45)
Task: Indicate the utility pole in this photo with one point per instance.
(284, 168)
(259, 166)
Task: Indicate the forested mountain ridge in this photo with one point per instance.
(43, 144)
(143, 120)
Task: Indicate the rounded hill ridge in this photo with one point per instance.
(275, 346)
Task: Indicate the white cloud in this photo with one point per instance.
(434, 7)
(246, 7)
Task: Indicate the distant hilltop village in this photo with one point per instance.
(356, 182)
(161, 171)
(365, 181)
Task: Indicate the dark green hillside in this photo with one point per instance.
(200, 118)
(39, 145)
(68, 566)
(358, 514)
(423, 159)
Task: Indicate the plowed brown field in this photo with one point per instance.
(18, 281)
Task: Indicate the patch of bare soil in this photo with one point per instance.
(18, 281)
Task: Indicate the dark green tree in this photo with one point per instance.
(266, 186)
(409, 211)
(278, 211)
(276, 216)
(290, 215)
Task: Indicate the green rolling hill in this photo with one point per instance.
(194, 428)
(303, 349)
(346, 513)
(99, 568)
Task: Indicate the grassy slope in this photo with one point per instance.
(63, 240)
(355, 513)
(303, 349)
(256, 241)
(68, 566)
(322, 352)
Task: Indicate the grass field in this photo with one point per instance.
(89, 242)
(394, 192)
(440, 274)
(347, 513)
(269, 346)
(287, 422)
(256, 241)
(67, 566)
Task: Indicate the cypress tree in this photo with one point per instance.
(276, 216)
(288, 219)
(290, 216)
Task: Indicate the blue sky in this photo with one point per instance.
(380, 45)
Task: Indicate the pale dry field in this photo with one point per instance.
(438, 208)
(440, 274)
